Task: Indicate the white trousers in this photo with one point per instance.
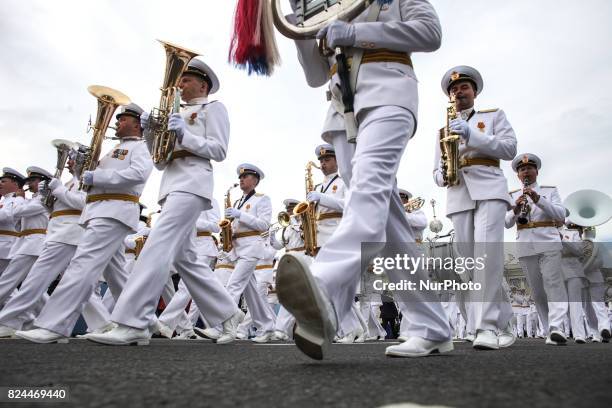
(172, 245)
(596, 311)
(479, 233)
(382, 137)
(543, 272)
(285, 321)
(243, 280)
(3, 264)
(372, 321)
(99, 252)
(14, 274)
(576, 312)
(174, 315)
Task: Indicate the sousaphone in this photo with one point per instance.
(313, 15)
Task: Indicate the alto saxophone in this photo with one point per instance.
(449, 147)
(226, 223)
(306, 212)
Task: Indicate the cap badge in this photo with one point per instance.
(525, 159)
(455, 76)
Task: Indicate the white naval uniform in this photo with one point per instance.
(596, 313)
(256, 213)
(8, 227)
(63, 235)
(123, 170)
(293, 242)
(539, 253)
(386, 109)
(174, 315)
(575, 279)
(33, 216)
(334, 189)
(476, 207)
(187, 183)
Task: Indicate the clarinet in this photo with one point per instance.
(525, 209)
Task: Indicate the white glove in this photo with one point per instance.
(54, 183)
(177, 123)
(232, 213)
(314, 196)
(338, 33)
(144, 120)
(460, 127)
(88, 177)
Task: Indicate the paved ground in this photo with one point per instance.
(198, 373)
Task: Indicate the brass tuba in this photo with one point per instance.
(164, 140)
(306, 213)
(313, 15)
(449, 147)
(63, 148)
(108, 101)
(226, 223)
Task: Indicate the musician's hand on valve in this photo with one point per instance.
(461, 128)
(88, 178)
(338, 34)
(177, 124)
(54, 183)
(232, 213)
(313, 196)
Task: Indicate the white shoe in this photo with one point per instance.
(596, 339)
(580, 340)
(402, 339)
(486, 340)
(298, 292)
(230, 327)
(209, 333)
(163, 329)
(264, 338)
(6, 332)
(469, 337)
(100, 330)
(352, 337)
(41, 336)
(122, 336)
(419, 347)
(506, 338)
(280, 336)
(242, 336)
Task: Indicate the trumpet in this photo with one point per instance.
(283, 221)
(414, 204)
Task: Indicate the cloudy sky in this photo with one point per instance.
(546, 63)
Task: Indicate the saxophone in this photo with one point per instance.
(414, 204)
(306, 212)
(449, 147)
(141, 240)
(226, 223)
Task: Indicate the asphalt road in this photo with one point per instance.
(198, 374)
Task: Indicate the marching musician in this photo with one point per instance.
(111, 212)
(385, 106)
(251, 216)
(477, 204)
(539, 244)
(11, 191)
(33, 217)
(202, 135)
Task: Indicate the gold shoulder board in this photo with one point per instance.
(488, 110)
(259, 194)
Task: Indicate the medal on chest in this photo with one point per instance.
(481, 126)
(120, 154)
(193, 117)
